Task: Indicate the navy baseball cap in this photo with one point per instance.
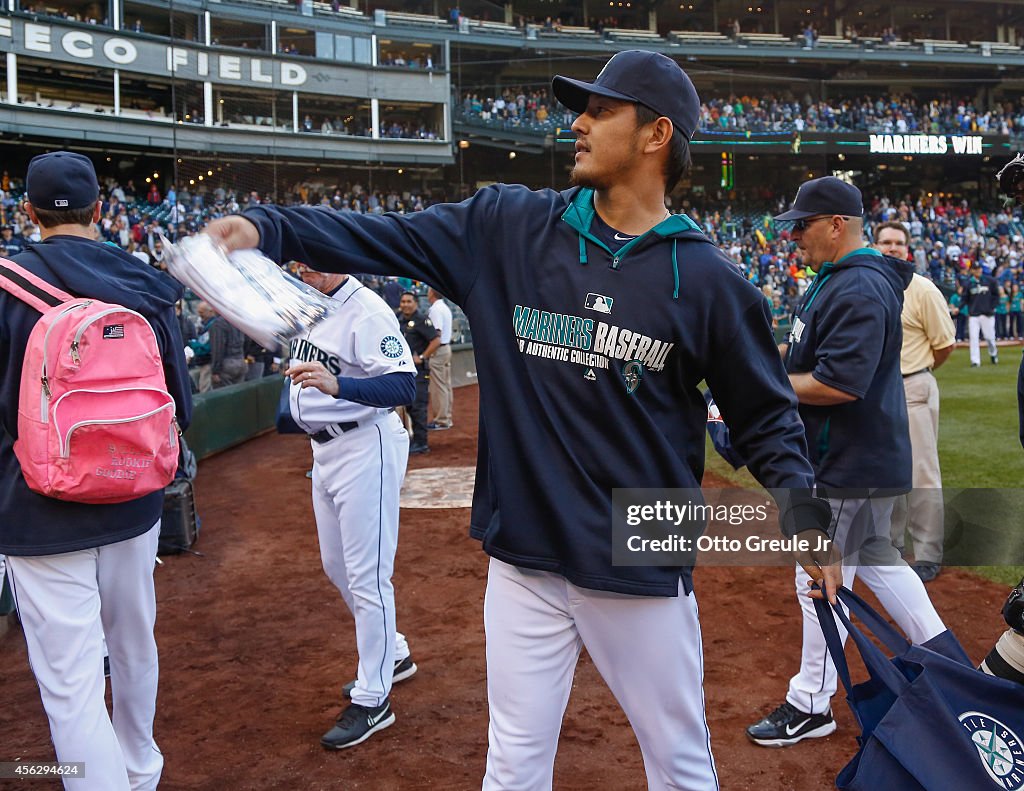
(61, 180)
(825, 196)
(650, 78)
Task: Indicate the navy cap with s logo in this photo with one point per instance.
(634, 75)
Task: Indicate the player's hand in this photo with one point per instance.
(313, 374)
(824, 567)
(234, 233)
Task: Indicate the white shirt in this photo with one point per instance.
(440, 316)
(360, 339)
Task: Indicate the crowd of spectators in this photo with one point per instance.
(946, 237)
(894, 114)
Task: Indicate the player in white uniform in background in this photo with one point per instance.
(348, 373)
(440, 362)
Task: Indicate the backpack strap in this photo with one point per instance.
(30, 289)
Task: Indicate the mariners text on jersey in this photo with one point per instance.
(304, 351)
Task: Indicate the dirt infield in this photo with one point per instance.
(255, 644)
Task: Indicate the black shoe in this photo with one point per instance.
(994, 358)
(437, 427)
(787, 725)
(975, 365)
(417, 449)
(404, 668)
(927, 571)
(356, 724)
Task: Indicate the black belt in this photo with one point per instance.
(335, 430)
(915, 373)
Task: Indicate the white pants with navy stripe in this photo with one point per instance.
(67, 603)
(981, 326)
(647, 649)
(357, 479)
(897, 586)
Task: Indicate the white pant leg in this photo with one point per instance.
(532, 649)
(924, 503)
(356, 482)
(58, 601)
(648, 650)
(988, 332)
(898, 588)
(973, 329)
(128, 612)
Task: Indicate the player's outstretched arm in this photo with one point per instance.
(234, 233)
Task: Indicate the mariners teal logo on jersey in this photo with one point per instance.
(999, 749)
(632, 372)
(599, 302)
(391, 347)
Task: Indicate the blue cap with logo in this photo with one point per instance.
(61, 180)
(825, 196)
(650, 78)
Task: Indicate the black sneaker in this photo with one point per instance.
(356, 724)
(404, 668)
(994, 358)
(787, 725)
(927, 571)
(418, 449)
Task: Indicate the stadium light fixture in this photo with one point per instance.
(511, 154)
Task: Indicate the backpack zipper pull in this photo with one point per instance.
(46, 385)
(74, 353)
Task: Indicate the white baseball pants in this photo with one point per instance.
(983, 325)
(647, 649)
(357, 479)
(896, 585)
(67, 603)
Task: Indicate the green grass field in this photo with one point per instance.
(979, 444)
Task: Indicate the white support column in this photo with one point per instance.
(12, 78)
(117, 92)
(115, 12)
(207, 103)
(447, 121)
(375, 118)
(207, 34)
(374, 59)
(295, 111)
(273, 36)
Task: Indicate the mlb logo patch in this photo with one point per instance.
(599, 302)
(113, 331)
(60, 204)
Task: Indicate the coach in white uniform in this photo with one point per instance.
(440, 361)
(928, 341)
(348, 373)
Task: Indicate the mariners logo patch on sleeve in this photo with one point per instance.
(391, 347)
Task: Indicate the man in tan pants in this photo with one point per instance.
(928, 339)
(440, 365)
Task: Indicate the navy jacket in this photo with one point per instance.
(589, 361)
(982, 295)
(31, 524)
(848, 334)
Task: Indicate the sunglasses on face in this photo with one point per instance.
(801, 225)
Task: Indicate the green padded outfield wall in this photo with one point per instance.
(231, 415)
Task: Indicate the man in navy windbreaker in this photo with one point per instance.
(599, 313)
(79, 571)
(843, 359)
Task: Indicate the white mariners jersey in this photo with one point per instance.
(360, 339)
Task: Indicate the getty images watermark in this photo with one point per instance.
(740, 527)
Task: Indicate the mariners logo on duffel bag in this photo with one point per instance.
(1000, 749)
(391, 347)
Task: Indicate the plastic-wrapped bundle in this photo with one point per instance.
(248, 289)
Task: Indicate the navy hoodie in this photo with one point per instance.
(588, 361)
(31, 524)
(847, 332)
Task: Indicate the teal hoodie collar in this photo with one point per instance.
(579, 215)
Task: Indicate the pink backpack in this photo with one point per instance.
(95, 421)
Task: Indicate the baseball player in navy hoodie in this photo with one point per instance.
(600, 313)
(80, 572)
(843, 358)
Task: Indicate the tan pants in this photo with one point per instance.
(441, 386)
(921, 511)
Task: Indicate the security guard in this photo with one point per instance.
(424, 340)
